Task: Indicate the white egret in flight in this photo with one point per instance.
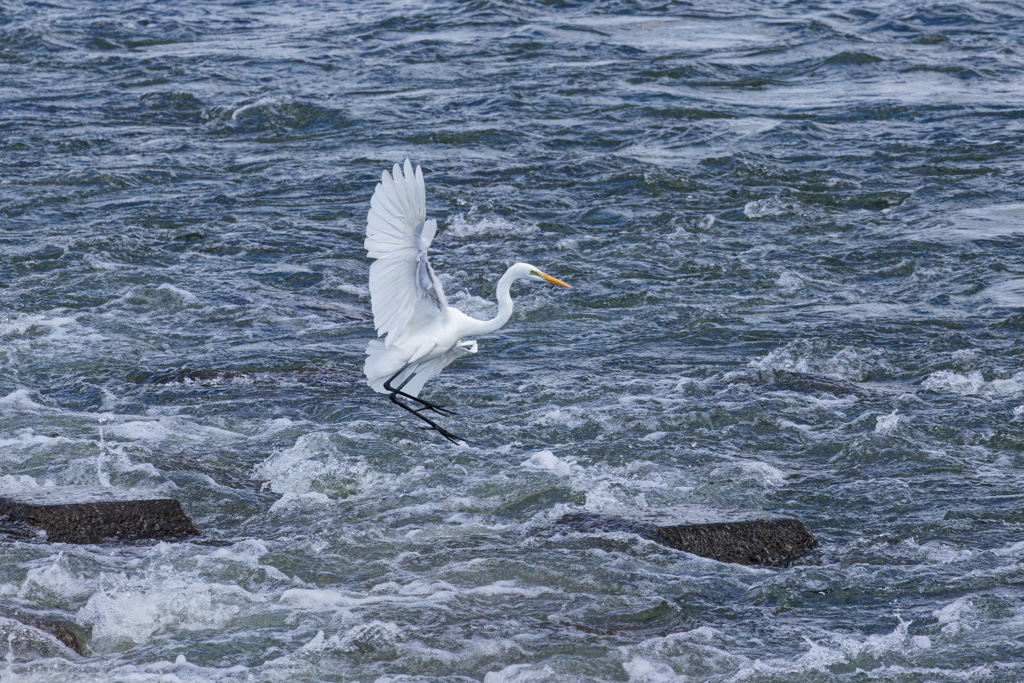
(422, 333)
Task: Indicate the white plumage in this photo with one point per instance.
(421, 333)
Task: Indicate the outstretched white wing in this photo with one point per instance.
(404, 291)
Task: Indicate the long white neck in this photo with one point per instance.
(504, 304)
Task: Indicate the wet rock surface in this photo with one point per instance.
(748, 537)
(68, 633)
(83, 514)
(20, 641)
(801, 382)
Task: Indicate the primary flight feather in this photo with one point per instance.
(422, 334)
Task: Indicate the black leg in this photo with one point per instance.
(418, 413)
(440, 410)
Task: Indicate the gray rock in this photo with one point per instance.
(723, 534)
(19, 642)
(85, 514)
(73, 635)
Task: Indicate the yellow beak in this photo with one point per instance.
(553, 280)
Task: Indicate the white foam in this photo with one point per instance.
(361, 291)
(127, 612)
(418, 593)
(56, 582)
(689, 386)
(886, 424)
(292, 501)
(170, 428)
(703, 650)
(817, 358)
(20, 398)
(508, 587)
(655, 34)
(643, 670)
(522, 673)
(1013, 550)
(38, 326)
(314, 464)
(317, 598)
(762, 471)
(789, 424)
(13, 482)
(469, 225)
(957, 617)
(280, 424)
(609, 496)
(376, 637)
(284, 267)
(973, 384)
(1006, 294)
(248, 553)
(473, 306)
(157, 298)
(751, 125)
(946, 380)
(789, 281)
(940, 553)
(770, 206)
(983, 222)
(556, 416)
(547, 461)
(965, 356)
(184, 296)
(29, 438)
(269, 103)
(316, 644)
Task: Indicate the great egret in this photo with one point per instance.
(422, 333)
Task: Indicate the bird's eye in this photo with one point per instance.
(534, 272)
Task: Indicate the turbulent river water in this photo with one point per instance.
(794, 231)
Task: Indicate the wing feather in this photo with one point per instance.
(403, 287)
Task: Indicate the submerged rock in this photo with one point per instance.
(70, 634)
(20, 641)
(723, 534)
(802, 382)
(86, 514)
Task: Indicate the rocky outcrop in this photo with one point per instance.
(83, 514)
(725, 534)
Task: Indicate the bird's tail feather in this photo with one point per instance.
(381, 365)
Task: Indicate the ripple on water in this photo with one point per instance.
(791, 232)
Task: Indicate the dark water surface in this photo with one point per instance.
(795, 232)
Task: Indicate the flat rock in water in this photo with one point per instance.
(86, 514)
(723, 534)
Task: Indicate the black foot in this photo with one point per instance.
(454, 438)
(427, 405)
(440, 410)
